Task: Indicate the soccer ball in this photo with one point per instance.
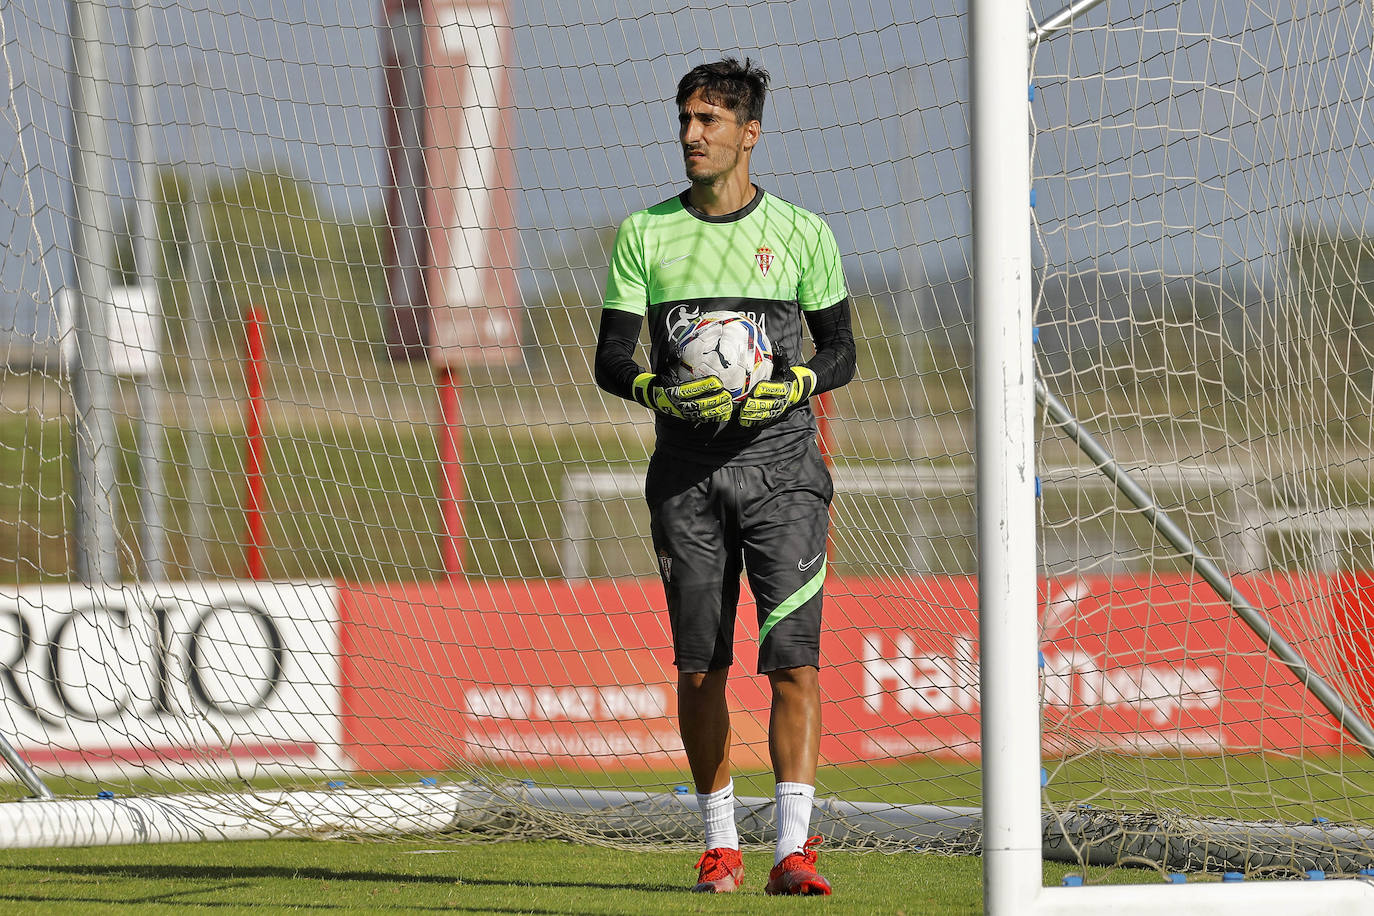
(728, 345)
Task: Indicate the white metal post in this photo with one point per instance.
(148, 253)
(93, 451)
(1004, 390)
(1005, 412)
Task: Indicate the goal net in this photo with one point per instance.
(1202, 236)
(318, 523)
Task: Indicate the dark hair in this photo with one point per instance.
(729, 84)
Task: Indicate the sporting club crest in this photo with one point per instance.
(764, 258)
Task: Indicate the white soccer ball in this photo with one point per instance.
(729, 345)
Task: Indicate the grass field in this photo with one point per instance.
(311, 876)
(450, 873)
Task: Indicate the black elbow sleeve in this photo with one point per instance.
(614, 368)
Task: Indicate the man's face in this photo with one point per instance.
(714, 142)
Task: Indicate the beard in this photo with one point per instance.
(706, 171)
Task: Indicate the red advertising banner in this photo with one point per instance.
(506, 672)
(396, 677)
(565, 674)
(449, 124)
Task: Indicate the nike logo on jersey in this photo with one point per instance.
(666, 261)
(809, 563)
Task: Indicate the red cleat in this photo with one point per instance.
(796, 874)
(720, 871)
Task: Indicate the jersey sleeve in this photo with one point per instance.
(822, 281)
(627, 282)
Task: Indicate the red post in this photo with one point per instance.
(255, 533)
(450, 482)
(822, 406)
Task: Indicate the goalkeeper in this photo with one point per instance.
(735, 487)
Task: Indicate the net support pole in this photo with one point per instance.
(1060, 20)
(21, 768)
(1349, 719)
(1004, 402)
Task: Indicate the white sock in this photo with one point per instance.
(794, 817)
(718, 814)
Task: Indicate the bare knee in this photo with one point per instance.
(698, 680)
(805, 677)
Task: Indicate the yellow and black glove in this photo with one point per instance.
(703, 400)
(770, 400)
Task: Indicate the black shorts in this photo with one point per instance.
(709, 523)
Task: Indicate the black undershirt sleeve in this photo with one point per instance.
(833, 336)
(615, 368)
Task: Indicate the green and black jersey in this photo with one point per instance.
(771, 260)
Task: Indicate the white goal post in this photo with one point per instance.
(1005, 401)
(313, 521)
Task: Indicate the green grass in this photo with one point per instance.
(453, 874)
(357, 500)
(351, 460)
(313, 876)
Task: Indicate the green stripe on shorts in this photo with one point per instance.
(794, 601)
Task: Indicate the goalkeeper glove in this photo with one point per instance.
(703, 400)
(770, 400)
